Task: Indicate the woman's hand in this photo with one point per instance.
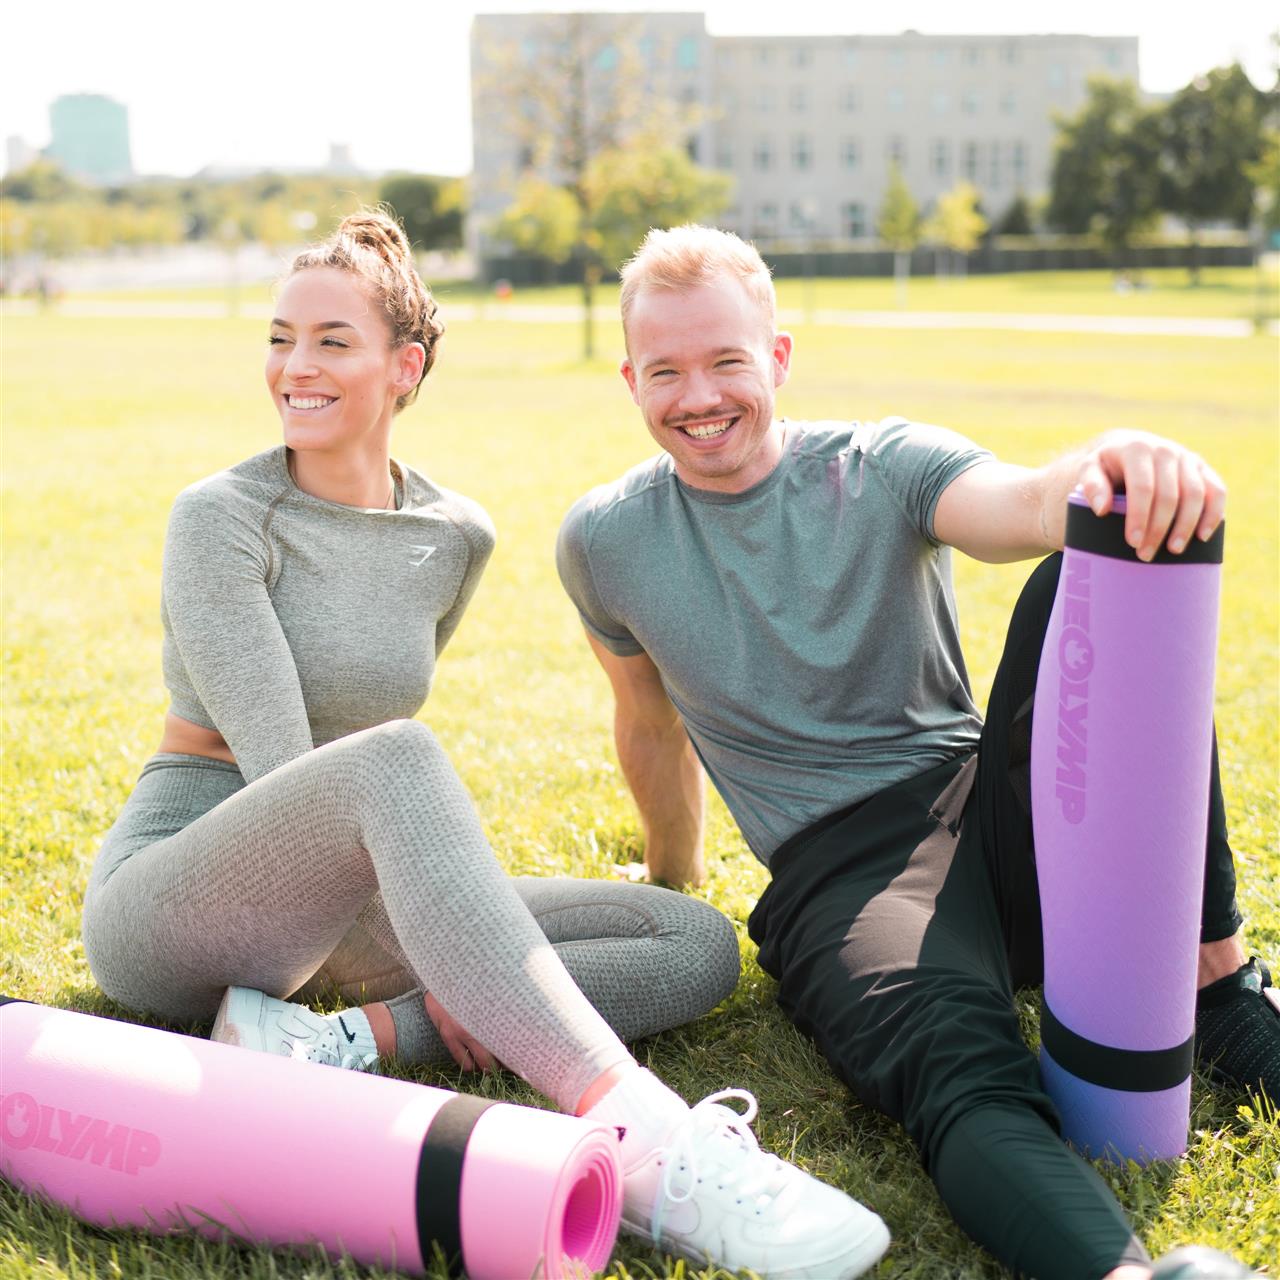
(467, 1052)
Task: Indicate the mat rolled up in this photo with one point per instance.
(1121, 739)
(128, 1125)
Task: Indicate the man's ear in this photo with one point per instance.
(781, 358)
(628, 371)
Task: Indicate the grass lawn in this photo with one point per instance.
(105, 420)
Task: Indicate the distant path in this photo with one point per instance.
(1023, 322)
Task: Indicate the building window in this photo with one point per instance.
(799, 98)
(799, 216)
(897, 151)
(850, 99)
(941, 57)
(850, 154)
(724, 154)
(854, 217)
(801, 151)
(1010, 54)
(764, 98)
(607, 58)
(897, 99)
(687, 54)
(1057, 75)
(1019, 163)
(1008, 103)
(941, 100)
(1113, 55)
(996, 176)
(972, 55)
(525, 156)
(897, 57)
(762, 154)
(802, 56)
(969, 102)
(851, 55)
(766, 219)
(940, 158)
(971, 161)
(691, 147)
(729, 101)
(764, 55)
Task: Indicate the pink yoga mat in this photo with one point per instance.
(1120, 759)
(127, 1125)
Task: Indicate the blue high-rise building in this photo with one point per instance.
(90, 138)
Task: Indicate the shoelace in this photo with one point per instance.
(714, 1139)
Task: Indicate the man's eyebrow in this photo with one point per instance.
(324, 324)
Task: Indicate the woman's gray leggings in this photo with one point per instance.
(362, 867)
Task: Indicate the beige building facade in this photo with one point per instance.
(809, 126)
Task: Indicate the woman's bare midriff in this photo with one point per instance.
(185, 738)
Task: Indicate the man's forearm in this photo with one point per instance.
(669, 787)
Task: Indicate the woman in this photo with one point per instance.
(297, 826)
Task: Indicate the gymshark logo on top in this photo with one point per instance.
(420, 555)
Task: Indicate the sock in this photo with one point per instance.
(355, 1035)
(643, 1111)
(417, 1040)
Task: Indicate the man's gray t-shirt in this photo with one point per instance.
(805, 629)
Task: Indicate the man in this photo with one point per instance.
(772, 600)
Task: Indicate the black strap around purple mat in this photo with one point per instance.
(440, 1177)
(1104, 536)
(1131, 1070)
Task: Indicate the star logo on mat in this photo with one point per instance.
(420, 555)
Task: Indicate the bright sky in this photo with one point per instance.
(255, 83)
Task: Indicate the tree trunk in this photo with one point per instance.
(1193, 254)
(590, 278)
(901, 267)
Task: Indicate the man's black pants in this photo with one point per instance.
(898, 930)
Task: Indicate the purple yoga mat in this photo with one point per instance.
(1120, 757)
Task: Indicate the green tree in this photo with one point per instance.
(1265, 175)
(898, 225)
(1211, 135)
(957, 224)
(543, 220)
(431, 208)
(1017, 219)
(1106, 167)
(643, 185)
(41, 182)
(583, 93)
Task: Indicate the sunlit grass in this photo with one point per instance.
(105, 420)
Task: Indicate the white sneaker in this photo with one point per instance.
(254, 1020)
(710, 1194)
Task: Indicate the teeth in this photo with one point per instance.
(309, 402)
(706, 432)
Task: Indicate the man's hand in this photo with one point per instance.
(467, 1051)
(997, 511)
(1171, 493)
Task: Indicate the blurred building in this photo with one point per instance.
(808, 126)
(18, 153)
(90, 138)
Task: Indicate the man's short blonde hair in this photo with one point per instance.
(688, 256)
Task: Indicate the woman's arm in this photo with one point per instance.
(232, 648)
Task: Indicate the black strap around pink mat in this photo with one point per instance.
(444, 1147)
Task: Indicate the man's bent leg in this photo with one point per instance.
(883, 932)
